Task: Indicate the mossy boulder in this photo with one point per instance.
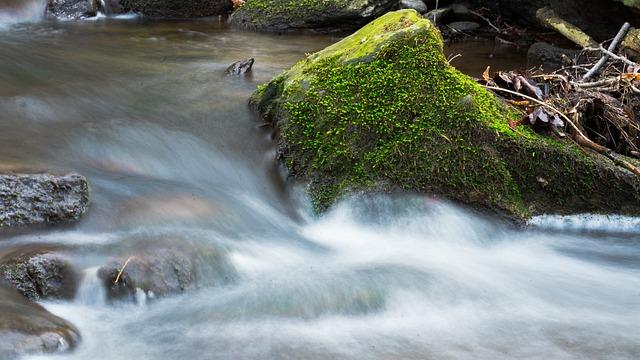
(382, 110)
(280, 15)
(177, 8)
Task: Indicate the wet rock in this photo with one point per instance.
(464, 26)
(163, 272)
(240, 67)
(27, 328)
(281, 15)
(39, 272)
(461, 12)
(72, 9)
(417, 5)
(438, 15)
(177, 9)
(550, 57)
(423, 126)
(30, 199)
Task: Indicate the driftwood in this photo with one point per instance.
(550, 19)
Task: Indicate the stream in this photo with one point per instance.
(174, 157)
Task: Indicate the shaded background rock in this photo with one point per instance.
(72, 9)
(279, 15)
(417, 5)
(29, 199)
(550, 57)
(39, 272)
(599, 18)
(27, 328)
(177, 9)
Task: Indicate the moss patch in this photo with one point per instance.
(291, 14)
(383, 110)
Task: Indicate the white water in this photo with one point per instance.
(20, 11)
(174, 158)
(404, 278)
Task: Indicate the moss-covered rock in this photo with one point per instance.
(177, 8)
(383, 110)
(279, 15)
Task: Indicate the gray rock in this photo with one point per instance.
(438, 15)
(163, 272)
(417, 5)
(240, 67)
(550, 57)
(29, 199)
(72, 9)
(39, 272)
(28, 328)
(283, 15)
(464, 26)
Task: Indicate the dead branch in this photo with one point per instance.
(605, 57)
(579, 136)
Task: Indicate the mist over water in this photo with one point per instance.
(20, 11)
(175, 160)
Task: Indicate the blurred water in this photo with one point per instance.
(174, 158)
(20, 11)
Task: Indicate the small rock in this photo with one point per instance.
(38, 272)
(28, 328)
(464, 26)
(240, 67)
(438, 15)
(30, 199)
(417, 5)
(163, 272)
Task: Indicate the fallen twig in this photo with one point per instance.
(612, 47)
(122, 270)
(613, 55)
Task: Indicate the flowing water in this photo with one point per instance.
(175, 158)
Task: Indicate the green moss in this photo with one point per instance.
(383, 110)
(287, 14)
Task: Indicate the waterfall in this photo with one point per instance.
(16, 11)
(105, 7)
(91, 290)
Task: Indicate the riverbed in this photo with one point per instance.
(174, 157)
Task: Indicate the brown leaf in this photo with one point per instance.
(485, 74)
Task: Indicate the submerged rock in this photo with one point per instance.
(29, 199)
(162, 272)
(240, 67)
(27, 328)
(39, 272)
(382, 110)
(279, 15)
(72, 9)
(177, 9)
